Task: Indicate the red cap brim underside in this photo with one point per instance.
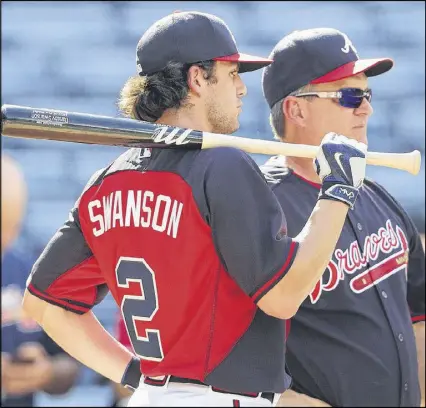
(371, 67)
(247, 62)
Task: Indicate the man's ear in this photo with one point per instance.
(196, 80)
(294, 111)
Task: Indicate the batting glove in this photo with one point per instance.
(340, 164)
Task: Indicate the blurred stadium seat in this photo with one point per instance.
(76, 56)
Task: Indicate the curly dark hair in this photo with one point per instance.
(147, 97)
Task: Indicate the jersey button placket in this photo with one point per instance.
(384, 294)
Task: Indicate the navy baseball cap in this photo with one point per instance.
(314, 56)
(189, 37)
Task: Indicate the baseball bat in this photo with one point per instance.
(49, 124)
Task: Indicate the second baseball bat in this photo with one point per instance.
(50, 124)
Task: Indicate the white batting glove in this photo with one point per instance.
(340, 164)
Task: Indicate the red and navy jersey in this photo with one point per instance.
(187, 242)
(351, 343)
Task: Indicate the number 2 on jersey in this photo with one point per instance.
(142, 307)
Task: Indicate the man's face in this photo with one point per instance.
(223, 101)
(326, 115)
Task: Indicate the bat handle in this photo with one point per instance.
(409, 162)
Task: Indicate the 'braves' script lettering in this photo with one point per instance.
(352, 260)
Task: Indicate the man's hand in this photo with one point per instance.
(18, 378)
(292, 398)
(340, 164)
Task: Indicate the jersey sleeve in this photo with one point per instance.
(247, 222)
(67, 274)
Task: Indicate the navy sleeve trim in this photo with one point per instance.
(64, 304)
(263, 290)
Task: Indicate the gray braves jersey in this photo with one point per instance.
(351, 343)
(187, 242)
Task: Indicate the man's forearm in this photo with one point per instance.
(81, 336)
(419, 332)
(317, 240)
(65, 371)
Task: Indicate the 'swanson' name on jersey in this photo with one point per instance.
(139, 209)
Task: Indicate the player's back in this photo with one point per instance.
(144, 218)
(188, 242)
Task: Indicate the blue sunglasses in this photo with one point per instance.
(347, 97)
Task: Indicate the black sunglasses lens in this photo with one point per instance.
(352, 97)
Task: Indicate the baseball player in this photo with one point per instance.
(191, 244)
(353, 340)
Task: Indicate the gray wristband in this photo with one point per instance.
(132, 374)
(339, 192)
